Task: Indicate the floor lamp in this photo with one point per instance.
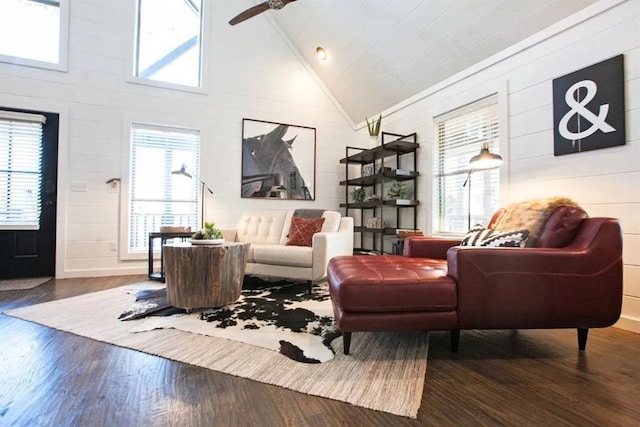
(183, 172)
(482, 161)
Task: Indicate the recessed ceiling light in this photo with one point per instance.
(321, 53)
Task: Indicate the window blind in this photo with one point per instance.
(20, 170)
(156, 197)
(460, 134)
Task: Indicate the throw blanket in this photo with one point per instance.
(308, 213)
(530, 215)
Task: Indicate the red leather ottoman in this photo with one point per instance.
(391, 293)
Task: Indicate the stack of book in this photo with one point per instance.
(404, 232)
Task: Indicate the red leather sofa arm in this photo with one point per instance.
(428, 247)
(579, 285)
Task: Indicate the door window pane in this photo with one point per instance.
(20, 170)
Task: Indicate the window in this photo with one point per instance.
(460, 196)
(34, 32)
(20, 170)
(169, 41)
(156, 196)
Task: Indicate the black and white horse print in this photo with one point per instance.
(268, 167)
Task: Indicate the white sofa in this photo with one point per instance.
(267, 232)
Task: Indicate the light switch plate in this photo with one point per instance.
(78, 185)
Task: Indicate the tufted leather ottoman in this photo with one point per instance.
(391, 293)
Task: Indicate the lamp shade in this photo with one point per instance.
(182, 171)
(485, 159)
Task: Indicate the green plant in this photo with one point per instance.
(397, 190)
(358, 194)
(374, 126)
(209, 232)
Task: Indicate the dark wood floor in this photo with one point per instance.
(514, 378)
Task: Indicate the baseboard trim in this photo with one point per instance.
(629, 324)
(74, 274)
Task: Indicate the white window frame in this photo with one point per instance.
(498, 146)
(204, 56)
(125, 211)
(63, 51)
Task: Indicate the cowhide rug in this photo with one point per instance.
(280, 316)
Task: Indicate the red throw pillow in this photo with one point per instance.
(302, 230)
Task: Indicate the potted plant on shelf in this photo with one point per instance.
(374, 126)
(358, 195)
(398, 191)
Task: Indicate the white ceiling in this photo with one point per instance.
(382, 52)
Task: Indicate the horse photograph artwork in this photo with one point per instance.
(278, 160)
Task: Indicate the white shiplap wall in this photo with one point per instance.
(604, 182)
(251, 73)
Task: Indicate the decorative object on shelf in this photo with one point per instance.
(375, 222)
(384, 169)
(372, 198)
(277, 155)
(367, 170)
(397, 190)
(374, 126)
(209, 232)
(402, 233)
(183, 172)
(174, 229)
(358, 194)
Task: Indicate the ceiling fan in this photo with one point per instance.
(258, 9)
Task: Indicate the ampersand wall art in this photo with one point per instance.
(588, 108)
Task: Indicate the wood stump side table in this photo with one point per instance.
(199, 276)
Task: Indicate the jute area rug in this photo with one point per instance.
(22, 284)
(384, 371)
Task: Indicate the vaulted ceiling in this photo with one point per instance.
(382, 52)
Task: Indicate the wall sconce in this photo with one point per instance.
(321, 53)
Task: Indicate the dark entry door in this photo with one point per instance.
(31, 253)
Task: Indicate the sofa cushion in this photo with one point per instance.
(391, 283)
(261, 227)
(294, 256)
(478, 235)
(302, 230)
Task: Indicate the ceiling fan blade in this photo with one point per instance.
(256, 10)
(250, 13)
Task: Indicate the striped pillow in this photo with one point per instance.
(479, 235)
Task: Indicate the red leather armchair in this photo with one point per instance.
(572, 278)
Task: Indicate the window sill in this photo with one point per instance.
(165, 85)
(24, 62)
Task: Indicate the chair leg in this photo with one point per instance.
(346, 342)
(455, 339)
(582, 338)
(310, 287)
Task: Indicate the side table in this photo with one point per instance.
(205, 275)
(159, 275)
